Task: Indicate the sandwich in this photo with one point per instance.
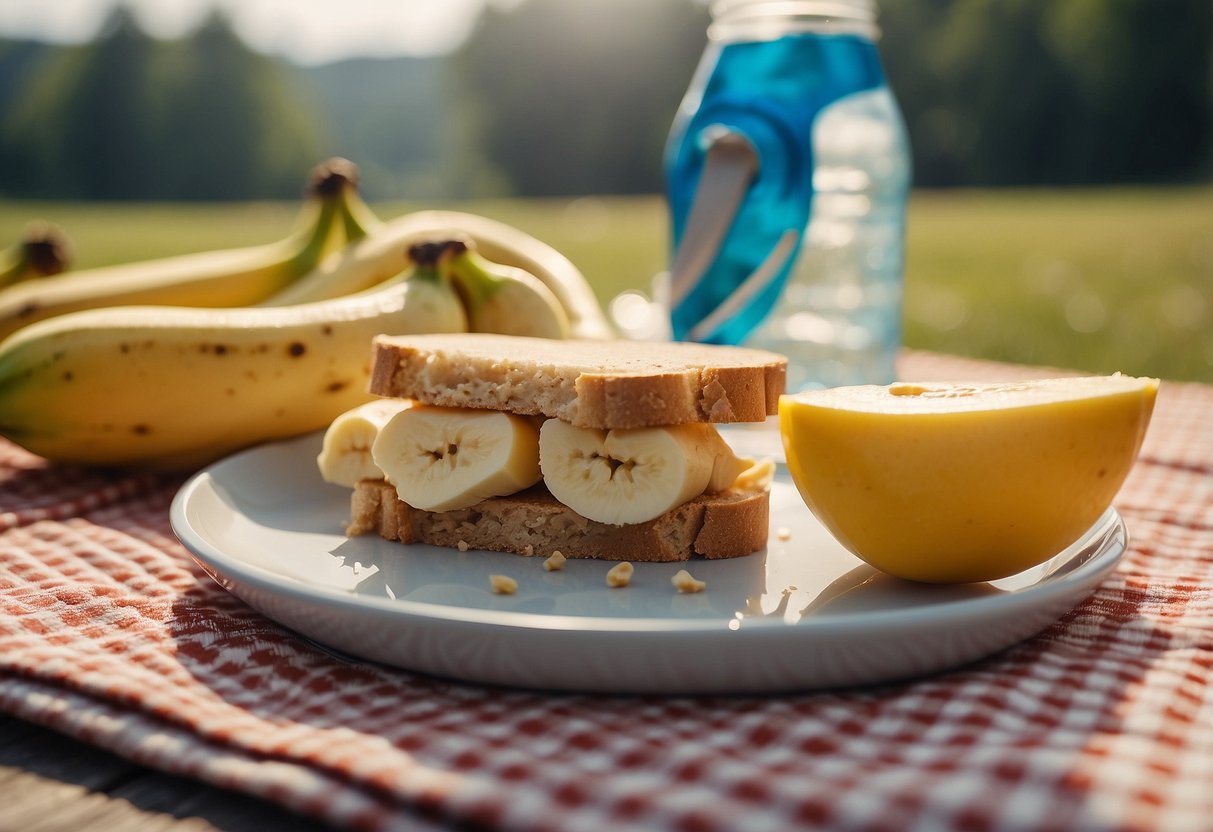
(533, 446)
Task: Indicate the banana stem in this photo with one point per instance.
(429, 260)
(472, 275)
(331, 176)
(338, 177)
(318, 235)
(47, 255)
(43, 252)
(357, 218)
(331, 186)
(12, 265)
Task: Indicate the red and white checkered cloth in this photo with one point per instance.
(110, 633)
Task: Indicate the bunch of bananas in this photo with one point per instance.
(173, 363)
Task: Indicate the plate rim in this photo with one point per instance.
(1110, 526)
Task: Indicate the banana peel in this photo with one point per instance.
(177, 386)
(384, 252)
(225, 278)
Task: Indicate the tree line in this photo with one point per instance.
(129, 117)
(560, 97)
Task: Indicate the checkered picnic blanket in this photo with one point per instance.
(110, 633)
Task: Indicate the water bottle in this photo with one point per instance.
(787, 171)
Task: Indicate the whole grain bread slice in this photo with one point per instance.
(588, 383)
(727, 524)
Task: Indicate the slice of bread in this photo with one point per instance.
(728, 524)
(591, 384)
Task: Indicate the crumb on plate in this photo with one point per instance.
(619, 575)
(503, 584)
(684, 582)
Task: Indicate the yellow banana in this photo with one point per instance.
(510, 246)
(226, 278)
(42, 252)
(345, 453)
(357, 218)
(174, 388)
(501, 299)
(385, 252)
(354, 219)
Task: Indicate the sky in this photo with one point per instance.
(305, 31)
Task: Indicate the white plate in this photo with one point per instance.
(802, 614)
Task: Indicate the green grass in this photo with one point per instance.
(1098, 280)
(1094, 280)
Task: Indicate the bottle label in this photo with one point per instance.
(738, 222)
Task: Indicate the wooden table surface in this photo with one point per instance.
(52, 783)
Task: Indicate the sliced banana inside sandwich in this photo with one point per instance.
(632, 476)
(443, 458)
(345, 454)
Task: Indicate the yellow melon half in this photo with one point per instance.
(951, 483)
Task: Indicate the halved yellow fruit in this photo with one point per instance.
(950, 483)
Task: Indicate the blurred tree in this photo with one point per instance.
(21, 62)
(17, 59)
(1142, 75)
(1053, 92)
(1012, 92)
(919, 73)
(87, 126)
(391, 116)
(127, 117)
(234, 126)
(577, 96)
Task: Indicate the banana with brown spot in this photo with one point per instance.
(175, 388)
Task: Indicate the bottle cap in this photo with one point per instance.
(761, 19)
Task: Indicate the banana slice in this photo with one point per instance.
(727, 467)
(345, 455)
(632, 476)
(443, 458)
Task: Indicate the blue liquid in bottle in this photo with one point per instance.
(831, 180)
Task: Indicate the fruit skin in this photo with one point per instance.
(224, 278)
(345, 453)
(500, 243)
(501, 299)
(385, 252)
(962, 483)
(175, 388)
(442, 458)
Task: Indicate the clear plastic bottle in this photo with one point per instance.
(787, 173)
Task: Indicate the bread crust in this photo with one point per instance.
(588, 383)
(730, 524)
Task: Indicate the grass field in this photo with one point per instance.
(1098, 280)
